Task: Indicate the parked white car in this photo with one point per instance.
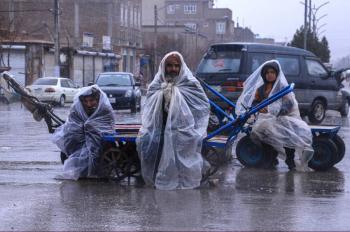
(56, 90)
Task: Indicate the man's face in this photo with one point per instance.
(172, 68)
(271, 75)
(90, 104)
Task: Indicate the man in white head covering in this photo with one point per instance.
(279, 124)
(174, 123)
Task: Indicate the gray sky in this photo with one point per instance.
(279, 19)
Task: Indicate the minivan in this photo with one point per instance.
(226, 66)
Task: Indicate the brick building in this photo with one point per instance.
(95, 35)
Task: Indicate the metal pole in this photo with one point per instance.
(155, 38)
(57, 38)
(305, 24)
(310, 13)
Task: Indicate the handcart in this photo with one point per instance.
(119, 159)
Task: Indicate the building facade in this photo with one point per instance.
(101, 35)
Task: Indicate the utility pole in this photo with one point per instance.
(305, 24)
(310, 13)
(57, 38)
(155, 37)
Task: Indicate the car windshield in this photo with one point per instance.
(221, 60)
(114, 80)
(44, 81)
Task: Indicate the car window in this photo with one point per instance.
(114, 80)
(289, 64)
(71, 84)
(221, 60)
(64, 83)
(257, 59)
(314, 68)
(44, 81)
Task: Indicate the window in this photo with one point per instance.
(220, 28)
(122, 14)
(170, 9)
(44, 81)
(314, 68)
(191, 26)
(114, 80)
(71, 84)
(289, 64)
(64, 83)
(221, 60)
(257, 59)
(190, 9)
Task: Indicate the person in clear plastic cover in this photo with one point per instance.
(279, 124)
(80, 137)
(174, 123)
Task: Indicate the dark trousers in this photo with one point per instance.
(290, 157)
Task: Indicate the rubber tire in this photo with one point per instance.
(250, 154)
(62, 101)
(325, 153)
(339, 142)
(344, 111)
(312, 118)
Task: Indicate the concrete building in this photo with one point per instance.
(193, 24)
(95, 35)
(200, 15)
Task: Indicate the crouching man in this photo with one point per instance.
(80, 137)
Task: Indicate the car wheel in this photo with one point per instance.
(318, 112)
(62, 101)
(344, 110)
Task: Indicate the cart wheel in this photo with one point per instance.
(324, 150)
(249, 153)
(339, 142)
(118, 164)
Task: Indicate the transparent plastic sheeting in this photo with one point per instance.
(279, 131)
(181, 164)
(80, 136)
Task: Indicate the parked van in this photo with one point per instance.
(226, 66)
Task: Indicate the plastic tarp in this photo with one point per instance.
(80, 136)
(287, 130)
(170, 152)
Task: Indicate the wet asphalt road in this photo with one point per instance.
(243, 199)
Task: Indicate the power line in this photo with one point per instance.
(32, 10)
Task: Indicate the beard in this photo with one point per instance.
(170, 77)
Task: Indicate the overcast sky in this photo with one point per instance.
(279, 19)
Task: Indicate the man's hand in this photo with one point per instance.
(263, 110)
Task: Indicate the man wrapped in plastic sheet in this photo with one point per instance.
(80, 137)
(174, 123)
(279, 124)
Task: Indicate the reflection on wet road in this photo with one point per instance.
(244, 199)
